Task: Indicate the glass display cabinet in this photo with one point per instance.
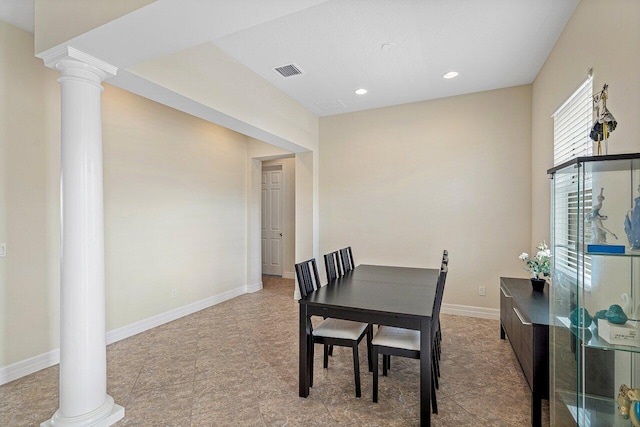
(595, 292)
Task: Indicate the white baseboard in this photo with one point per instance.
(29, 366)
(471, 311)
(254, 288)
(171, 315)
(288, 275)
(34, 364)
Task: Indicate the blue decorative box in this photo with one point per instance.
(607, 249)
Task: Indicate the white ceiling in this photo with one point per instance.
(18, 12)
(491, 43)
(337, 43)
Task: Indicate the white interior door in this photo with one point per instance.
(272, 212)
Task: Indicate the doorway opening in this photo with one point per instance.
(277, 212)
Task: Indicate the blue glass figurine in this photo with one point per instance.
(616, 315)
(632, 224)
(580, 318)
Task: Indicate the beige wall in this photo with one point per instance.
(602, 35)
(307, 236)
(29, 207)
(400, 184)
(261, 150)
(233, 90)
(175, 208)
(175, 205)
(605, 36)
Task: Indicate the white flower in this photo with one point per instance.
(541, 263)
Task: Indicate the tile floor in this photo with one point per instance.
(236, 364)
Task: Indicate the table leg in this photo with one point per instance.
(303, 368)
(536, 409)
(425, 372)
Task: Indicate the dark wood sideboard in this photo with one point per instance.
(524, 319)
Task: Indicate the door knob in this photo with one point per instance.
(280, 234)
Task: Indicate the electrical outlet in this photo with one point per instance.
(3, 250)
(174, 292)
(482, 290)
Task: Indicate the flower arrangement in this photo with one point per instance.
(540, 264)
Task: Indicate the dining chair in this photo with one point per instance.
(347, 259)
(386, 359)
(332, 265)
(445, 261)
(334, 271)
(344, 333)
(406, 342)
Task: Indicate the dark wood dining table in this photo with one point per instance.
(381, 295)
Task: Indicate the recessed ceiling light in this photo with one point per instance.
(361, 91)
(450, 74)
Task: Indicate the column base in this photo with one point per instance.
(108, 414)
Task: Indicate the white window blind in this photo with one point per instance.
(571, 125)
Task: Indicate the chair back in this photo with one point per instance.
(307, 274)
(347, 259)
(332, 265)
(437, 303)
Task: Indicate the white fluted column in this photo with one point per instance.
(83, 364)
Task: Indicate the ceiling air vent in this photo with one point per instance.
(288, 70)
(331, 105)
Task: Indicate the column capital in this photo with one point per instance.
(64, 57)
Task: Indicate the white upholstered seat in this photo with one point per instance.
(338, 328)
(389, 336)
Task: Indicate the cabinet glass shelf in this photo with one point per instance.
(593, 411)
(592, 339)
(626, 254)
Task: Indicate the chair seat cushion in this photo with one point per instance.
(389, 336)
(338, 328)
